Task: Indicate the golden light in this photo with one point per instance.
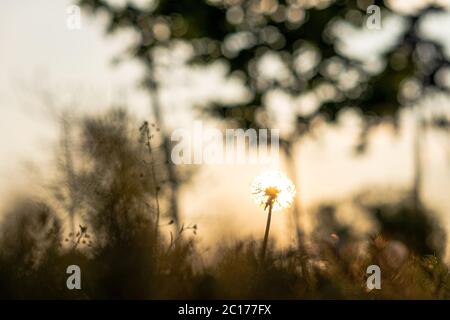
(273, 187)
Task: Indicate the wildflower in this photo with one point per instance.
(272, 190)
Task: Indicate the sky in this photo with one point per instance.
(46, 68)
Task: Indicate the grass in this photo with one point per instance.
(124, 253)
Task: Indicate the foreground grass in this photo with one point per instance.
(123, 255)
(35, 267)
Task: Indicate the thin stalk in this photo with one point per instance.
(266, 234)
(83, 230)
(153, 173)
(172, 175)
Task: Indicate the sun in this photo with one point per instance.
(273, 188)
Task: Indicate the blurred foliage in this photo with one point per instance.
(125, 253)
(307, 41)
(120, 257)
(301, 35)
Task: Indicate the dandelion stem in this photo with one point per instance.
(266, 234)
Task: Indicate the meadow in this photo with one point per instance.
(354, 91)
(102, 213)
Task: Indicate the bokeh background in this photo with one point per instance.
(362, 112)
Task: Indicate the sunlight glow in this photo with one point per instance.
(273, 186)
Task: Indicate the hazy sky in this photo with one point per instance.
(39, 55)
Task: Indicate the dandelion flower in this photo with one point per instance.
(273, 188)
(275, 191)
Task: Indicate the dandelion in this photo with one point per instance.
(274, 191)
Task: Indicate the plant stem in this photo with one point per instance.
(166, 143)
(266, 234)
(82, 232)
(155, 181)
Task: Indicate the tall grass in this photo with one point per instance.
(125, 252)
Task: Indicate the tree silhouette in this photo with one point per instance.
(411, 66)
(242, 32)
(304, 37)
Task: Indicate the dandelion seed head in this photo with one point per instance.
(273, 187)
